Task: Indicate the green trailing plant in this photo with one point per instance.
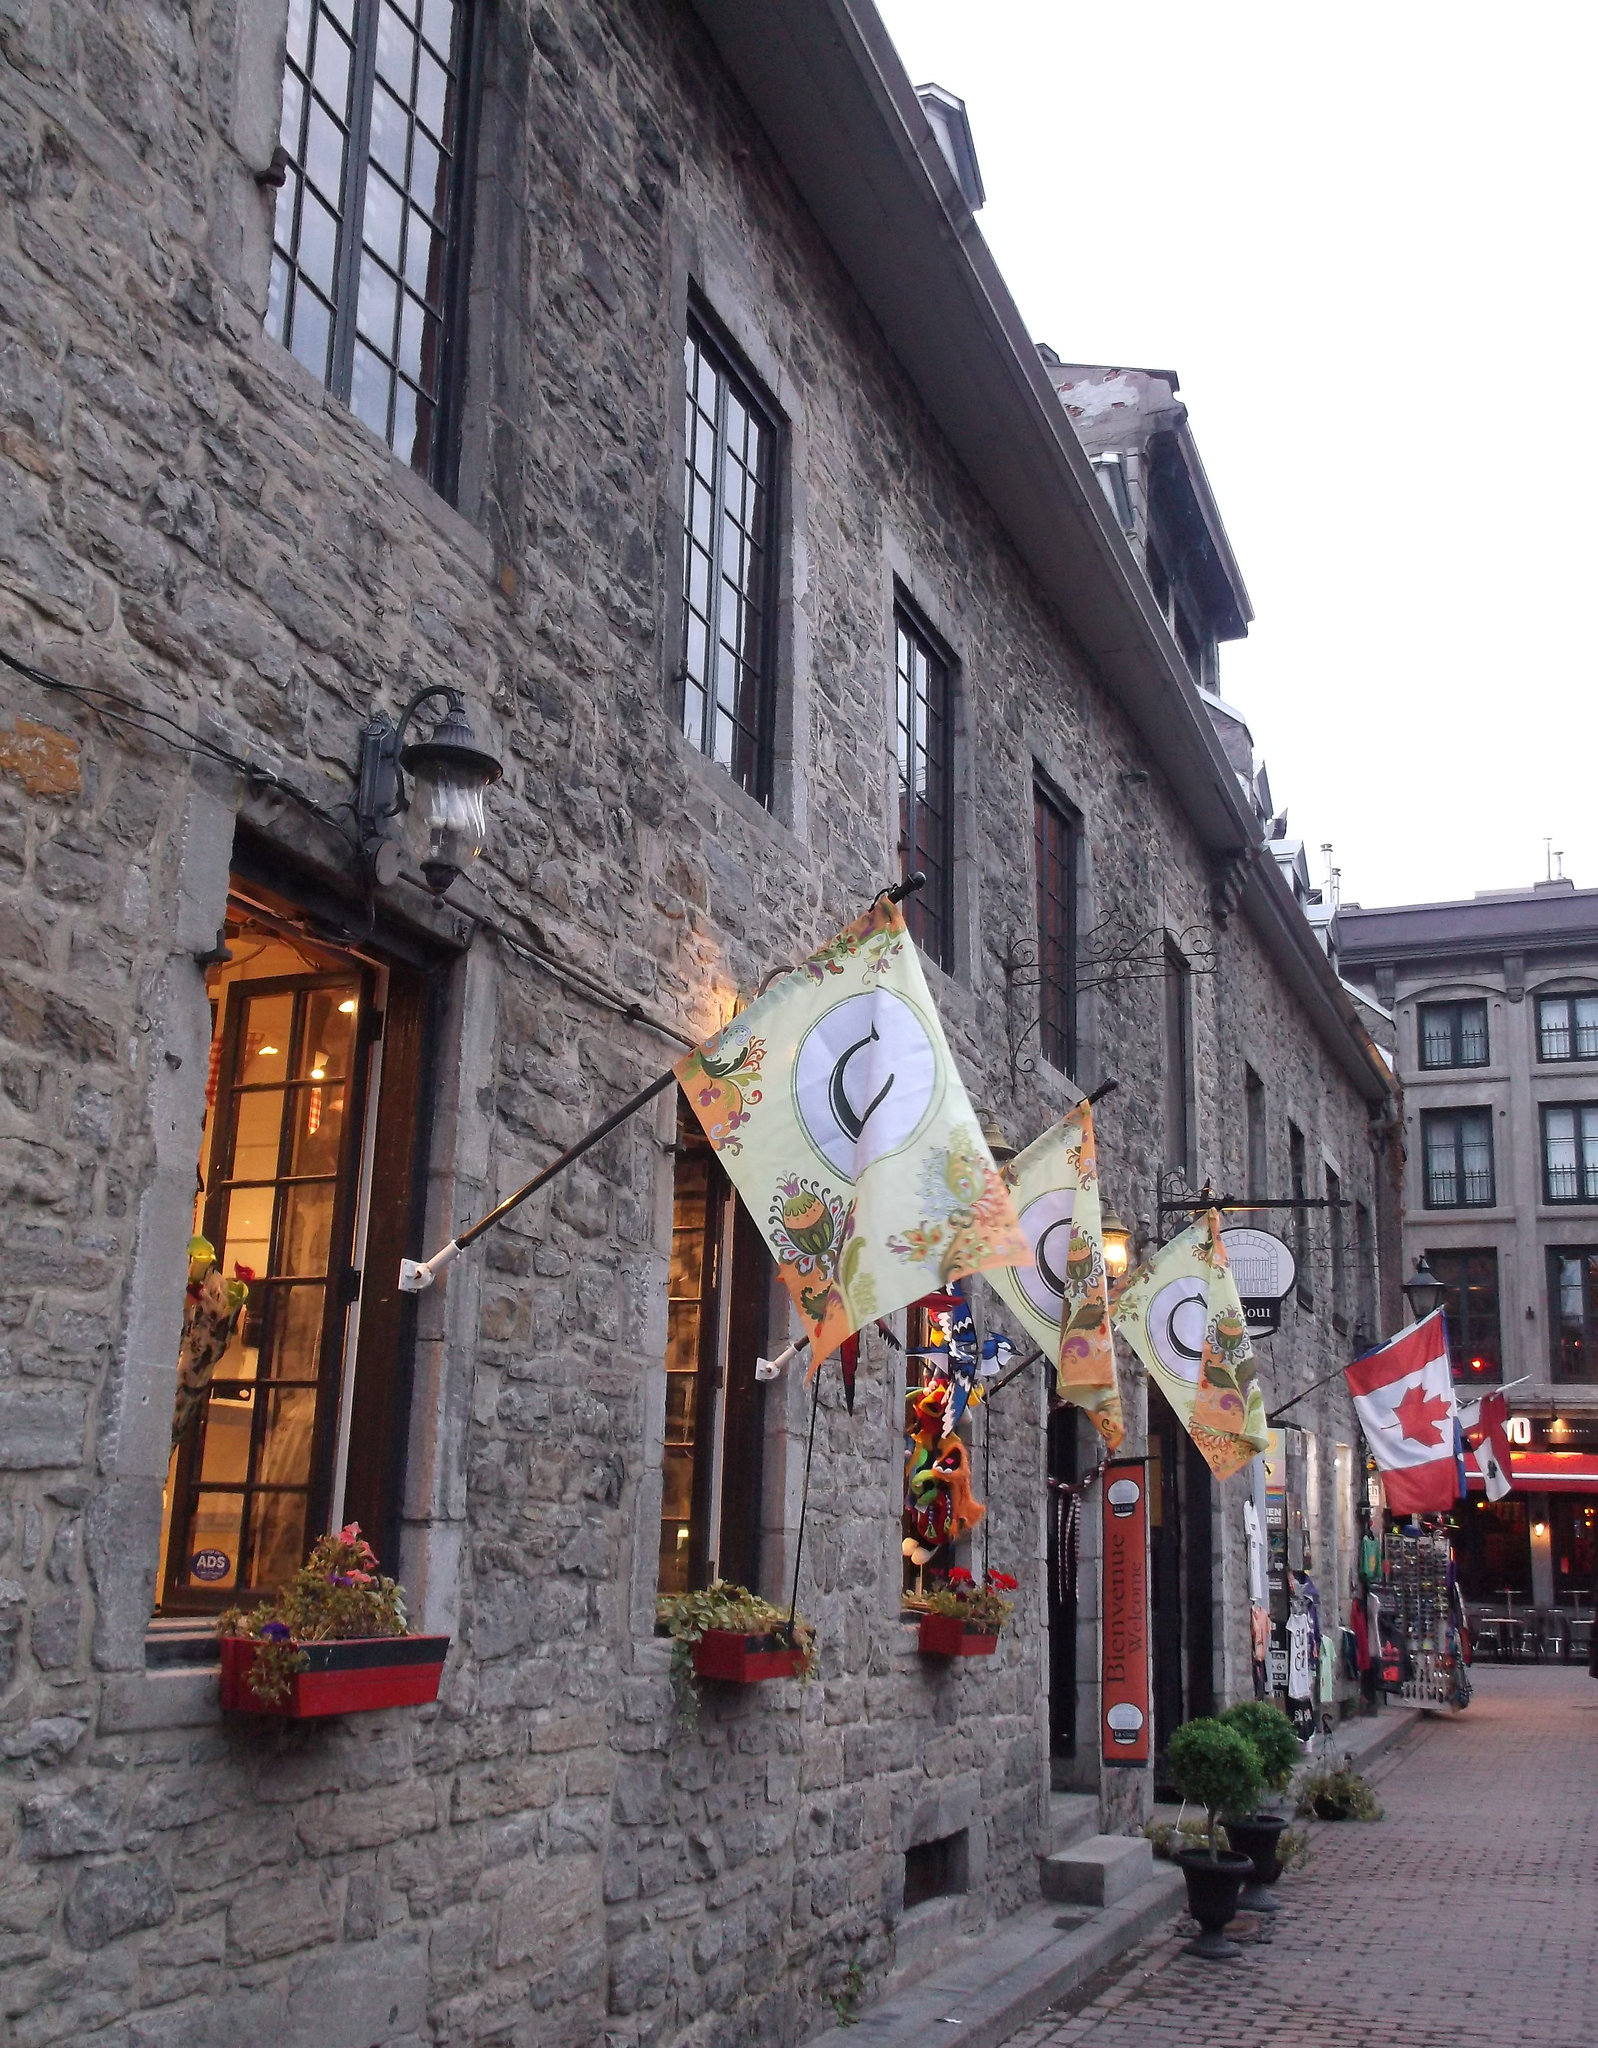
(1169, 1837)
(1275, 1743)
(845, 2001)
(688, 1616)
(1337, 1794)
(337, 1595)
(1292, 1849)
(983, 1607)
(1217, 1768)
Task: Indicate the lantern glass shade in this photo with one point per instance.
(446, 822)
(1423, 1290)
(1117, 1247)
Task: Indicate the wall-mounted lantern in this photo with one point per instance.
(446, 823)
(1117, 1246)
(1423, 1290)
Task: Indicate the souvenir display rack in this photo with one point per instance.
(1416, 1601)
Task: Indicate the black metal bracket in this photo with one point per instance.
(1110, 956)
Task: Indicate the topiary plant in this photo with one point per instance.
(1218, 1768)
(1275, 1743)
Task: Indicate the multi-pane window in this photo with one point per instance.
(1335, 1214)
(1470, 1311)
(1254, 1116)
(1567, 1027)
(925, 728)
(1453, 1034)
(1458, 1148)
(716, 1300)
(1573, 1295)
(1365, 1254)
(728, 566)
(1570, 1152)
(1177, 1005)
(1298, 1174)
(1054, 835)
(367, 243)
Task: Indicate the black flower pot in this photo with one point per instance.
(1212, 1889)
(1257, 1839)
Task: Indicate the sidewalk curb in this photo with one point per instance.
(1021, 1969)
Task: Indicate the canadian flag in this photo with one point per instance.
(1491, 1455)
(1404, 1398)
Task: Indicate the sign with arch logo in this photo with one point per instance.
(838, 1112)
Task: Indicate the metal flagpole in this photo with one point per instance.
(416, 1275)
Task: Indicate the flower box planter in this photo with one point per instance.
(946, 1635)
(352, 1677)
(745, 1660)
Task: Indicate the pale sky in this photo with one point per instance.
(1364, 238)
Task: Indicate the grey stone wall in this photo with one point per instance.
(186, 518)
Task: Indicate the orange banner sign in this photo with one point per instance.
(1124, 1702)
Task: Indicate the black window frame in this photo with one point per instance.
(1560, 1342)
(1056, 846)
(1256, 1136)
(1469, 1277)
(751, 754)
(1569, 998)
(1176, 1031)
(930, 911)
(1433, 1119)
(1586, 1168)
(448, 265)
(1337, 1234)
(1298, 1175)
(1453, 1013)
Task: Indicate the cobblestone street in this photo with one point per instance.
(1466, 1916)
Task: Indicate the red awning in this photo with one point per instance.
(1546, 1472)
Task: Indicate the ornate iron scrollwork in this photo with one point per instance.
(1114, 953)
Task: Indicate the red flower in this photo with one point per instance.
(961, 1577)
(1003, 1581)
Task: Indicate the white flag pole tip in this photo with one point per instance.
(417, 1275)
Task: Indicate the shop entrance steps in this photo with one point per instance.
(1073, 1816)
(990, 1985)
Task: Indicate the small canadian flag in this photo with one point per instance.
(1492, 1453)
(1404, 1398)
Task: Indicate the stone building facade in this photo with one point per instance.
(1491, 1009)
(212, 570)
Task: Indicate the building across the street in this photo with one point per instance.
(1494, 1021)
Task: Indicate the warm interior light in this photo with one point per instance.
(266, 1052)
(347, 1007)
(1117, 1247)
(1539, 1528)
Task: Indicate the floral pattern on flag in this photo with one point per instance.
(1181, 1314)
(835, 1106)
(1063, 1298)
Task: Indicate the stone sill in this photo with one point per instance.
(178, 1697)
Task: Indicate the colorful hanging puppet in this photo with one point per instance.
(938, 1503)
(211, 1311)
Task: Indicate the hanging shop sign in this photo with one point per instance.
(1264, 1269)
(1124, 1638)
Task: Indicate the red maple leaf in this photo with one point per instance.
(1421, 1416)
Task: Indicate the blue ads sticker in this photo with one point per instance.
(210, 1564)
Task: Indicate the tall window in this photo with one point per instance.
(1176, 993)
(1458, 1147)
(1054, 834)
(367, 255)
(1365, 1254)
(728, 565)
(1470, 1312)
(925, 725)
(1298, 1174)
(1338, 1232)
(1256, 1165)
(1570, 1152)
(1567, 1027)
(1573, 1296)
(716, 1301)
(1453, 1034)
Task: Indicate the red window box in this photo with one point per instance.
(946, 1635)
(744, 1660)
(353, 1677)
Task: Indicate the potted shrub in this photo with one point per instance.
(1258, 1835)
(961, 1618)
(1218, 1769)
(728, 1633)
(333, 1641)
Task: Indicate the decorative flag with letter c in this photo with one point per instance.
(1181, 1314)
(836, 1108)
(1063, 1296)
